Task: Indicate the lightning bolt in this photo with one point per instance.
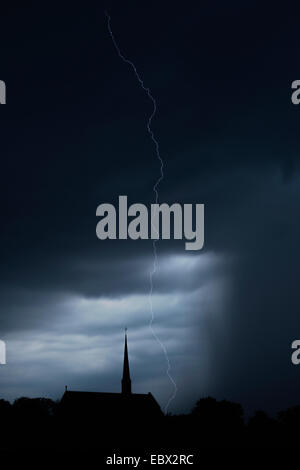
(155, 190)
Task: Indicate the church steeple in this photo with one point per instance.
(126, 381)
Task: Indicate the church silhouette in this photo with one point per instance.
(81, 406)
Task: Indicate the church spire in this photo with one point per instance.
(126, 382)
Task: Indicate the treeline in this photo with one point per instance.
(37, 423)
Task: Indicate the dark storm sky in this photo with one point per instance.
(73, 135)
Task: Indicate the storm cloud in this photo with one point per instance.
(73, 136)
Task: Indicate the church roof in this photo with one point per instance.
(134, 405)
(108, 405)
